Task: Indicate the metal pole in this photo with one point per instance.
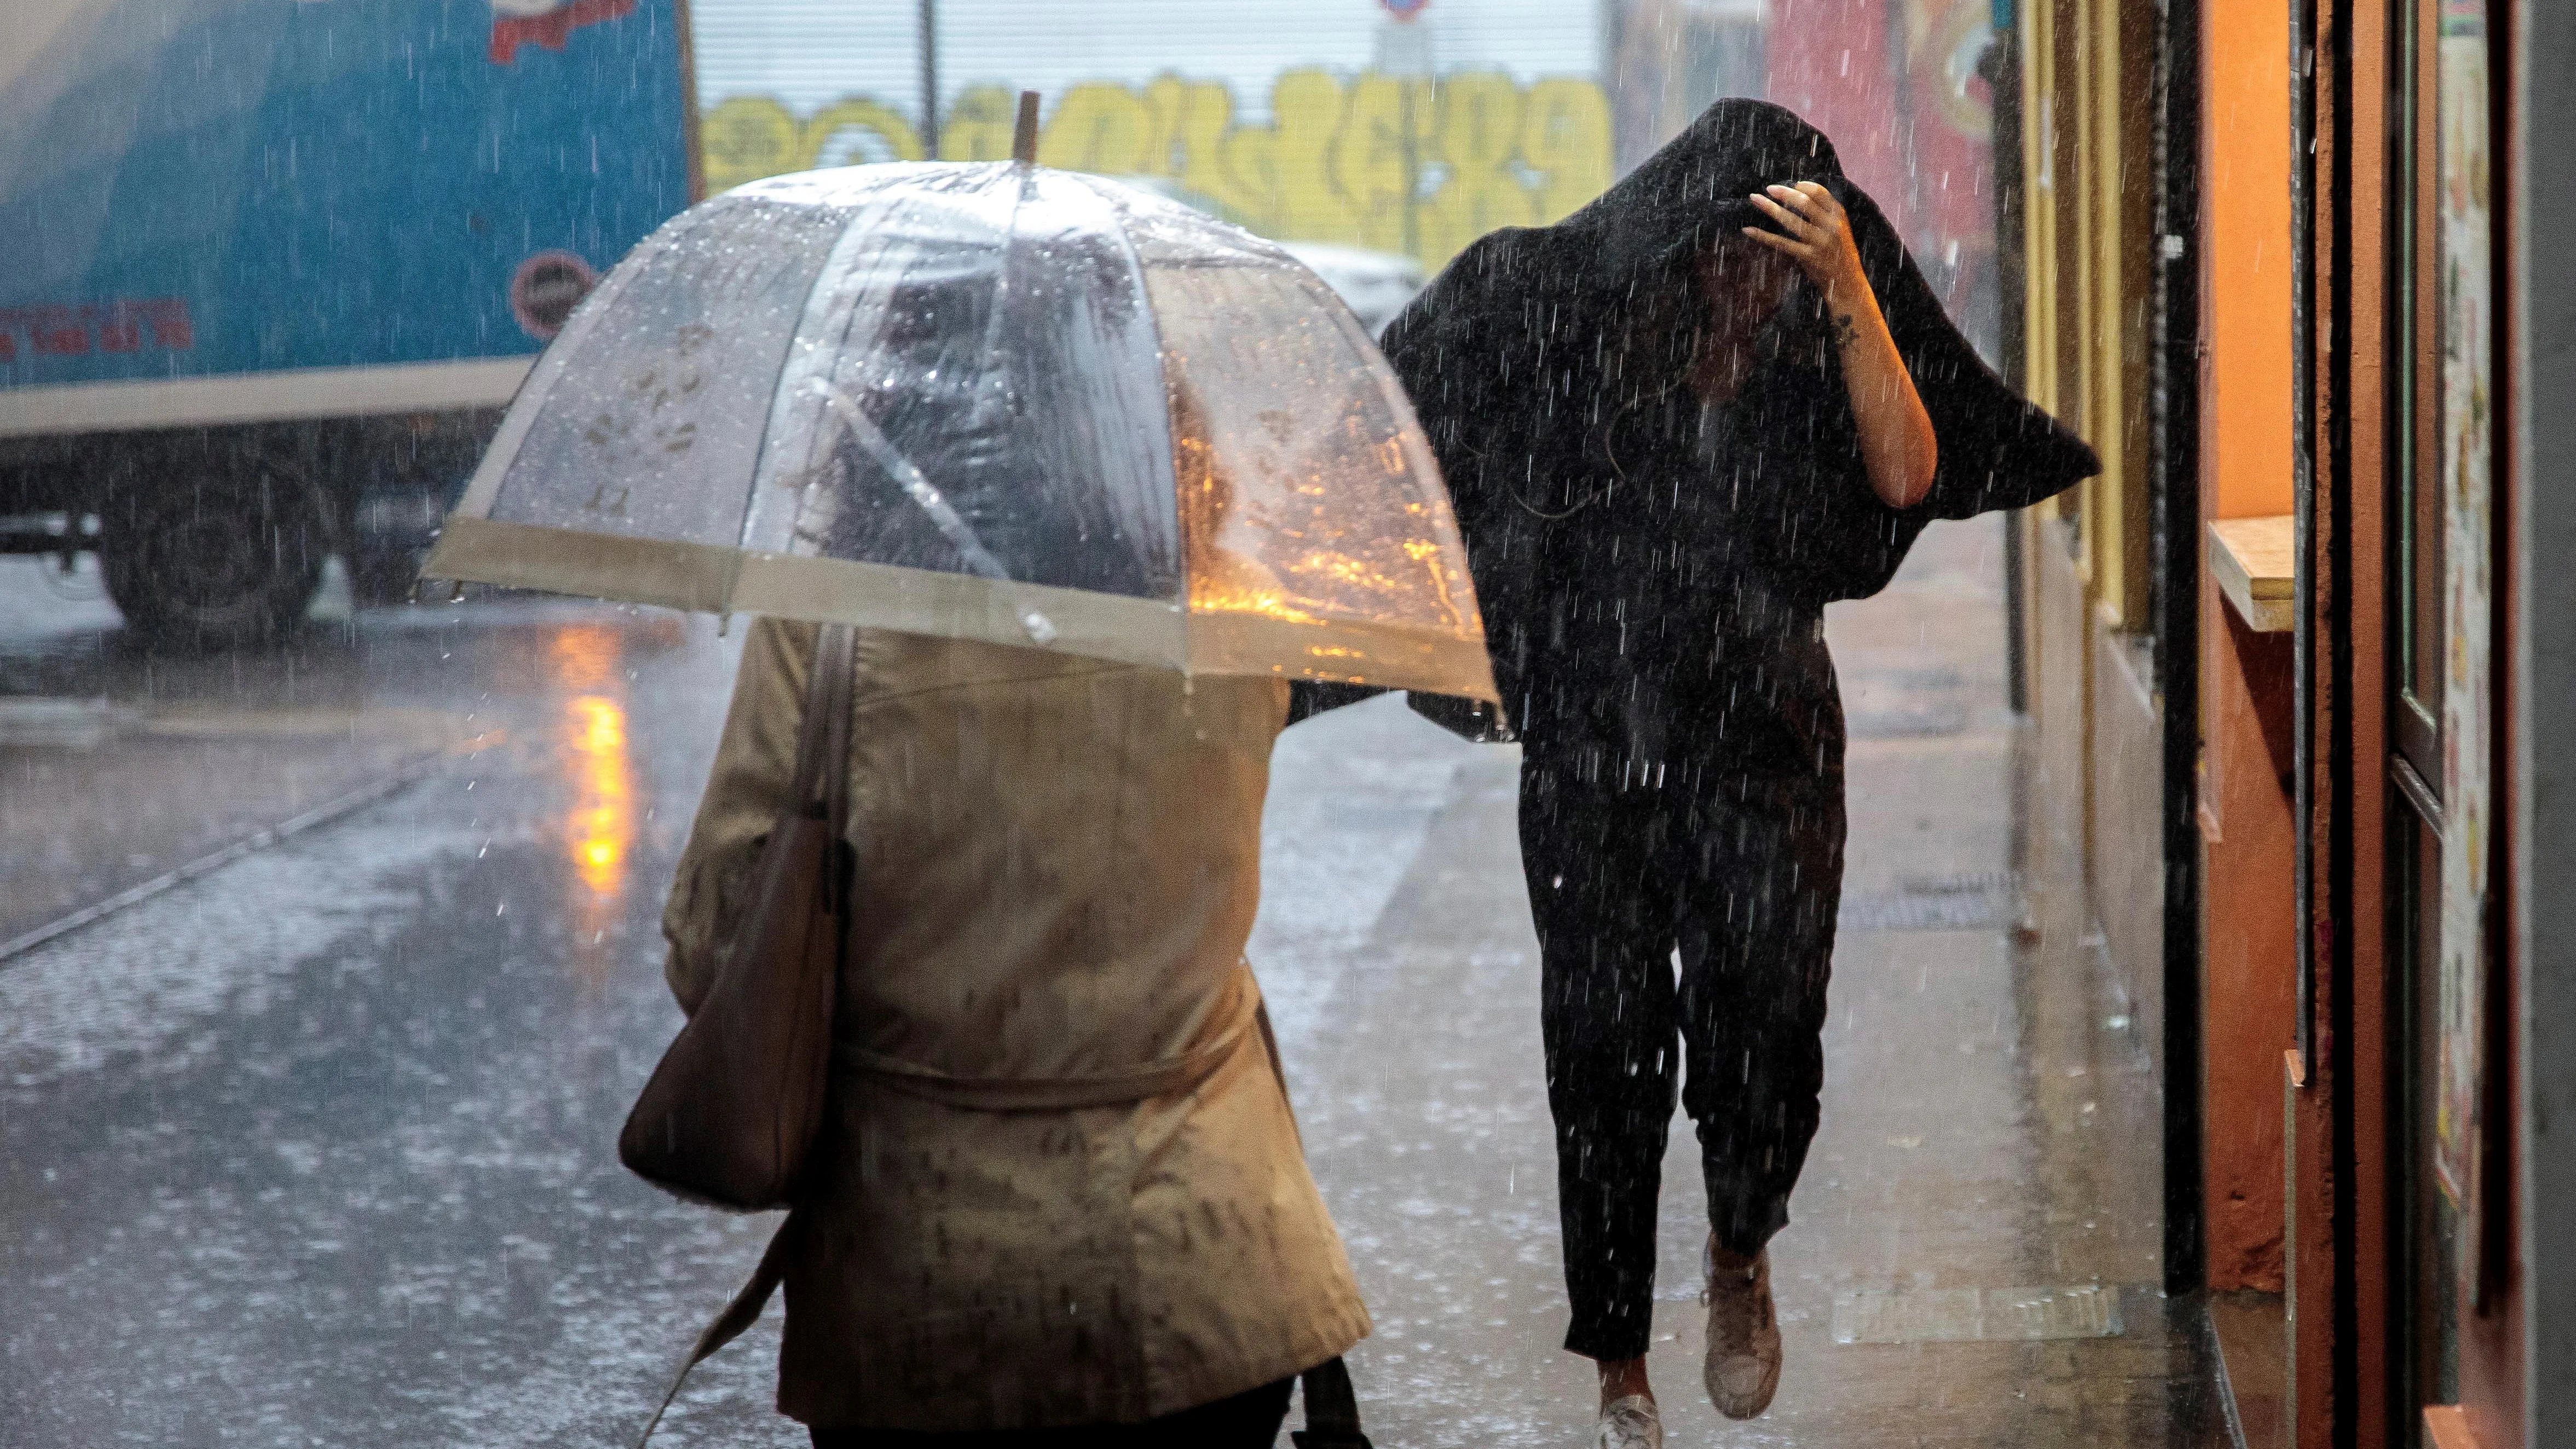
(2173, 444)
(1412, 173)
(2303, 493)
(930, 80)
(2001, 66)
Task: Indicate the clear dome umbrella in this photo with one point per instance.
(987, 401)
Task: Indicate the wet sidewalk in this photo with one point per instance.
(318, 1147)
(1972, 1257)
(123, 767)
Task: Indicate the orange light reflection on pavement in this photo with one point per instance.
(602, 823)
(584, 656)
(591, 756)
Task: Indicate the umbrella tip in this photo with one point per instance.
(1024, 135)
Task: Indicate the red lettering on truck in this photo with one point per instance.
(545, 23)
(66, 329)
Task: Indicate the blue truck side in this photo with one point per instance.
(269, 269)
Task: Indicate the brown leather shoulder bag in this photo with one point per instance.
(732, 1112)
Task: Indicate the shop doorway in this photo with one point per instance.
(2442, 760)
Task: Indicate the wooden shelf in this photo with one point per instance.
(2255, 562)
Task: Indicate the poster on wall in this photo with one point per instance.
(1896, 84)
(2466, 293)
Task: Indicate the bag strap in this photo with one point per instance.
(822, 769)
(823, 735)
(730, 1323)
(835, 656)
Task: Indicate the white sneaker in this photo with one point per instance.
(1743, 1367)
(1629, 1423)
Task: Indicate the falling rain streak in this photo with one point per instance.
(1765, 442)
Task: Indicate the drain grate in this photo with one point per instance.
(1978, 1315)
(1987, 901)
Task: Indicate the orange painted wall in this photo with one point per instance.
(2251, 935)
(2250, 994)
(2245, 260)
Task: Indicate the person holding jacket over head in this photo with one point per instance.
(1058, 1197)
(1675, 426)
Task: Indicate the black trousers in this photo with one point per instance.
(1249, 1420)
(1627, 865)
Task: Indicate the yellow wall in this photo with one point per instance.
(1484, 151)
(2086, 157)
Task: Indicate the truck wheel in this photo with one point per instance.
(215, 562)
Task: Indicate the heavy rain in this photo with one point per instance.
(1404, 722)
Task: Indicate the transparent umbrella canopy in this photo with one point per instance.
(986, 401)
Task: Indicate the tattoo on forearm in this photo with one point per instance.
(1844, 331)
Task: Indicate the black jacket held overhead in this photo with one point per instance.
(1653, 569)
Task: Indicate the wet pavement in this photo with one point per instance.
(119, 765)
(1990, 1120)
(316, 1147)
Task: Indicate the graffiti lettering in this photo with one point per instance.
(1395, 164)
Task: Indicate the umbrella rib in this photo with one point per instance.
(951, 525)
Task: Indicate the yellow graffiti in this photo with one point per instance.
(978, 127)
(855, 132)
(1480, 141)
(1565, 139)
(1103, 128)
(1374, 162)
(1396, 164)
(748, 137)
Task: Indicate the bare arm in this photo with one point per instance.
(1897, 444)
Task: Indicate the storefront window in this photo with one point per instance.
(2464, 282)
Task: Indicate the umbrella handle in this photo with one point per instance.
(865, 432)
(978, 559)
(1024, 133)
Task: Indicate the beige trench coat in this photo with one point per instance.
(1058, 861)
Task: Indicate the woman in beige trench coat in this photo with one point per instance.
(1058, 1186)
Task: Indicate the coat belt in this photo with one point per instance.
(1167, 1077)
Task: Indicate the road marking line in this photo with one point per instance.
(250, 844)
